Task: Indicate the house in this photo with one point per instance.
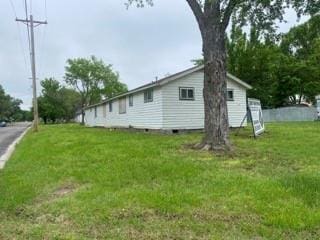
(172, 104)
(318, 106)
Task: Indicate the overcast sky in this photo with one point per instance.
(140, 43)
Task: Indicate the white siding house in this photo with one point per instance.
(173, 103)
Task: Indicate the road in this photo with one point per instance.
(9, 134)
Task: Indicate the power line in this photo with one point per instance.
(42, 50)
(45, 10)
(26, 12)
(19, 35)
(30, 6)
(13, 8)
(42, 42)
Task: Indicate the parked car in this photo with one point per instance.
(3, 124)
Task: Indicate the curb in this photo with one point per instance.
(10, 150)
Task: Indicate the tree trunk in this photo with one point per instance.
(82, 117)
(82, 111)
(215, 90)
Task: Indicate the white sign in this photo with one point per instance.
(255, 111)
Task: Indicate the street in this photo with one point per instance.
(9, 134)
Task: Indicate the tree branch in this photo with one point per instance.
(228, 12)
(197, 11)
(212, 8)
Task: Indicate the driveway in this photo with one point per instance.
(9, 134)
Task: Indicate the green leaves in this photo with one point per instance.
(93, 79)
(9, 107)
(57, 102)
(281, 74)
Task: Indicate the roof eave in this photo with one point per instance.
(167, 80)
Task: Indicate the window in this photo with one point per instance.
(104, 107)
(110, 106)
(122, 105)
(130, 100)
(186, 93)
(95, 112)
(230, 95)
(148, 95)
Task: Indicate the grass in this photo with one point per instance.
(70, 182)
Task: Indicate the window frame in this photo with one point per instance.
(187, 98)
(122, 101)
(230, 90)
(145, 95)
(110, 106)
(131, 100)
(95, 112)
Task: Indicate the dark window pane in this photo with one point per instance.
(151, 95)
(148, 95)
(230, 95)
(183, 93)
(190, 93)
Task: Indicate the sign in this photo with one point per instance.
(255, 111)
(318, 104)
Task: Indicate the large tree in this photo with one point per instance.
(93, 79)
(213, 17)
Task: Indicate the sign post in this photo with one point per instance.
(255, 113)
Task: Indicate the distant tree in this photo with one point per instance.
(25, 115)
(257, 62)
(213, 18)
(50, 101)
(301, 41)
(71, 103)
(57, 102)
(93, 79)
(300, 76)
(9, 107)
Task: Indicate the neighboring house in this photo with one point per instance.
(78, 116)
(171, 104)
(318, 105)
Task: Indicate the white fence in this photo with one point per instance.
(290, 114)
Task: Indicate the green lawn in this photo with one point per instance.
(71, 182)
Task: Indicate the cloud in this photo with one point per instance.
(140, 43)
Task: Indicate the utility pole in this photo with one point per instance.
(31, 23)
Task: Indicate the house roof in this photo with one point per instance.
(166, 80)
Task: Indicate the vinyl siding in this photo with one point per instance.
(185, 114)
(140, 115)
(167, 111)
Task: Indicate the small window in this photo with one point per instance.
(148, 95)
(95, 112)
(110, 106)
(122, 105)
(230, 95)
(130, 100)
(186, 93)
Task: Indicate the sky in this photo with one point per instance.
(141, 44)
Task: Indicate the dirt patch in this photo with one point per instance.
(65, 189)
